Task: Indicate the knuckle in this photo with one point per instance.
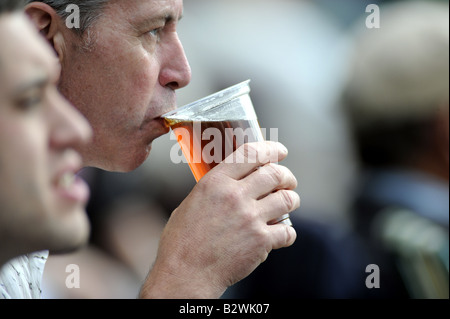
(208, 183)
(292, 179)
(274, 172)
(279, 175)
(236, 198)
(262, 236)
(291, 236)
(248, 152)
(233, 197)
(251, 216)
(247, 218)
(287, 199)
(256, 152)
(223, 190)
(288, 177)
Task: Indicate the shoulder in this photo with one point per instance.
(21, 277)
(420, 248)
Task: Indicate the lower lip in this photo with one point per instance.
(77, 192)
(163, 124)
(157, 128)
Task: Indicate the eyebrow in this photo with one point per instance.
(166, 17)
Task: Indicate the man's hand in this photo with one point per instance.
(224, 229)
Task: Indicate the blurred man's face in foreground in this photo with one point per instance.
(41, 199)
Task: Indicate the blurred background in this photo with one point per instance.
(297, 54)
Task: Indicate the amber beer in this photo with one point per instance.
(207, 143)
(213, 128)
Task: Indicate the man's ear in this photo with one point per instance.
(48, 23)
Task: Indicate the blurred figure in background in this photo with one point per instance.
(397, 100)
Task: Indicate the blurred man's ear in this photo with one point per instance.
(49, 24)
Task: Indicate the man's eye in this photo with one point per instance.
(155, 32)
(29, 102)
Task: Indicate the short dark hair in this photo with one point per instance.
(385, 143)
(7, 6)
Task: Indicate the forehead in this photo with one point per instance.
(23, 52)
(135, 10)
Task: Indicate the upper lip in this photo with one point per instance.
(71, 166)
(169, 105)
(165, 112)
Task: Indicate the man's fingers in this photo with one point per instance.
(282, 235)
(278, 204)
(250, 156)
(269, 178)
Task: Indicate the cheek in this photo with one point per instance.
(117, 83)
(128, 65)
(23, 164)
(143, 78)
(135, 88)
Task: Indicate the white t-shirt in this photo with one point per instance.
(21, 277)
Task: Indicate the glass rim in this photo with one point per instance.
(212, 101)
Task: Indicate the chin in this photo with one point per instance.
(123, 164)
(69, 249)
(69, 245)
(70, 235)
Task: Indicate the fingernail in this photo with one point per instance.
(283, 148)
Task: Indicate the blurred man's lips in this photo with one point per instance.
(70, 186)
(73, 188)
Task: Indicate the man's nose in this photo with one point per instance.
(69, 129)
(175, 69)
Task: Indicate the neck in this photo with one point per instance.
(4, 258)
(9, 249)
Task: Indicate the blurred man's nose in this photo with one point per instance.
(69, 129)
(175, 68)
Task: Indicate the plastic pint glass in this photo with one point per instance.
(211, 129)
